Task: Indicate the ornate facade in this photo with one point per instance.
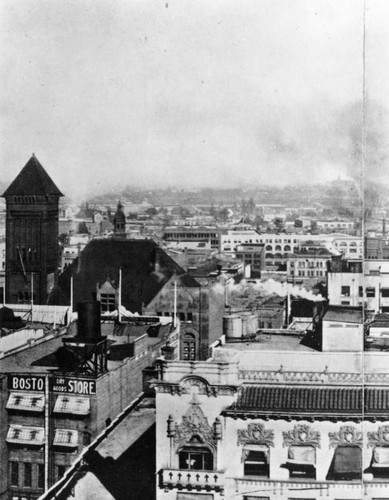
(226, 430)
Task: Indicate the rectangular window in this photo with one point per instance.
(61, 469)
(360, 291)
(370, 291)
(301, 461)
(41, 476)
(14, 473)
(27, 475)
(385, 292)
(345, 291)
(189, 316)
(107, 302)
(347, 464)
(256, 462)
(195, 459)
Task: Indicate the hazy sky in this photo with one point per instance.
(192, 92)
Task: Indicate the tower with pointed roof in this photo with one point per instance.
(31, 234)
(119, 222)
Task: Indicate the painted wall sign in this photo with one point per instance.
(26, 383)
(73, 386)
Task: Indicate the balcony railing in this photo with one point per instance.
(191, 479)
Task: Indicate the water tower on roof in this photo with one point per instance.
(31, 235)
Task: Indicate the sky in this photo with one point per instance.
(224, 93)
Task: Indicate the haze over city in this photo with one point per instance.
(112, 93)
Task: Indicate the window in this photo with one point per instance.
(189, 316)
(301, 461)
(72, 405)
(370, 291)
(27, 475)
(41, 476)
(14, 473)
(380, 462)
(346, 464)
(66, 438)
(19, 434)
(360, 291)
(107, 301)
(345, 291)
(189, 347)
(61, 469)
(256, 461)
(385, 292)
(195, 456)
(24, 401)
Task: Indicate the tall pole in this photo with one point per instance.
(120, 295)
(71, 294)
(175, 305)
(47, 434)
(32, 289)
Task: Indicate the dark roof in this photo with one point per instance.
(146, 268)
(32, 180)
(318, 402)
(344, 314)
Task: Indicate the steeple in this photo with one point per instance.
(119, 221)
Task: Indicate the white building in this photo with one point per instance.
(258, 421)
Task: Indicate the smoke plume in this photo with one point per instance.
(268, 287)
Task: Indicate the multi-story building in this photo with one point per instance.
(253, 255)
(192, 234)
(308, 267)
(60, 389)
(272, 419)
(32, 255)
(367, 286)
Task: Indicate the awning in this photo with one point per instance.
(255, 453)
(26, 401)
(20, 434)
(348, 460)
(67, 438)
(72, 405)
(380, 456)
(302, 455)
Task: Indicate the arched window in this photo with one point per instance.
(269, 248)
(269, 255)
(287, 248)
(195, 456)
(278, 248)
(189, 347)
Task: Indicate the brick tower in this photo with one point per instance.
(31, 257)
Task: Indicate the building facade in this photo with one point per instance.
(250, 425)
(32, 254)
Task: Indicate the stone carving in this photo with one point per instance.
(301, 435)
(348, 435)
(192, 384)
(379, 437)
(194, 423)
(256, 434)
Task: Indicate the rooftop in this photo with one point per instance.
(344, 314)
(32, 180)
